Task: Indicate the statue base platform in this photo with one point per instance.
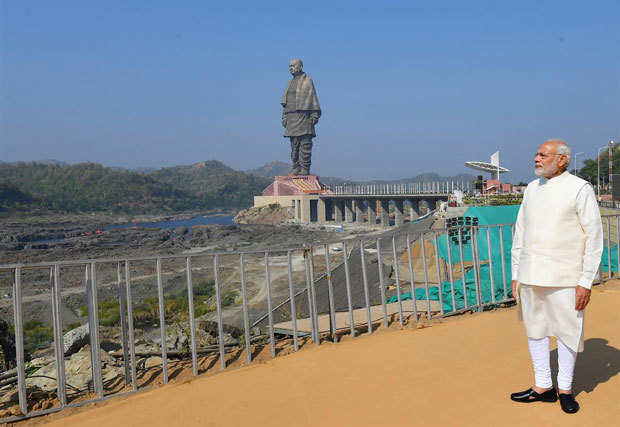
(295, 185)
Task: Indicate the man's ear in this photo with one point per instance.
(562, 160)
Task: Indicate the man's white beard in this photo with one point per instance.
(548, 171)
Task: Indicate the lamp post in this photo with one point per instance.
(598, 172)
(576, 154)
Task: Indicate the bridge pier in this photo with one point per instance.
(385, 212)
(359, 210)
(321, 211)
(424, 205)
(348, 210)
(338, 209)
(398, 212)
(414, 209)
(372, 211)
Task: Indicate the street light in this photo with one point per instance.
(598, 172)
(576, 154)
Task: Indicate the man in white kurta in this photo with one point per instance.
(556, 254)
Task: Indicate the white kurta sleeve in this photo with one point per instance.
(517, 244)
(590, 218)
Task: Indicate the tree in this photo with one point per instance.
(590, 167)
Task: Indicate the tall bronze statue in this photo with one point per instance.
(301, 112)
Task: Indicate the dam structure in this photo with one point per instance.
(314, 202)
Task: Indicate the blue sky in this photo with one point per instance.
(405, 87)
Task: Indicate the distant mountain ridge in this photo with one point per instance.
(278, 168)
(88, 187)
(271, 170)
(51, 185)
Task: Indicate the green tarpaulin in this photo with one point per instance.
(614, 259)
(487, 215)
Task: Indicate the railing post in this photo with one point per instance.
(292, 297)
(365, 280)
(190, 302)
(382, 283)
(58, 335)
(490, 251)
(439, 283)
(411, 276)
(428, 297)
(121, 300)
(618, 242)
(330, 295)
(218, 305)
(501, 248)
(272, 343)
(132, 349)
(449, 249)
(309, 294)
(95, 344)
(610, 270)
(19, 341)
(476, 264)
(347, 277)
(314, 304)
(162, 322)
(397, 277)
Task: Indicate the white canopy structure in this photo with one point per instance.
(493, 167)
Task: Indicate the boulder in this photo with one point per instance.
(78, 372)
(211, 327)
(75, 339)
(152, 361)
(177, 338)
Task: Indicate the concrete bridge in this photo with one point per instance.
(365, 203)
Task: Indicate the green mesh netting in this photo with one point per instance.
(614, 259)
(487, 215)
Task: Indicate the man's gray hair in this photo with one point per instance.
(298, 60)
(563, 148)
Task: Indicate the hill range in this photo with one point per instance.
(53, 186)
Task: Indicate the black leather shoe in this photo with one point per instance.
(568, 403)
(530, 395)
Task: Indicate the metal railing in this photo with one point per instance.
(358, 284)
(412, 188)
(611, 243)
(613, 204)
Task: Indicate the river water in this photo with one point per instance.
(186, 222)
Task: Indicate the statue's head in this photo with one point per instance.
(296, 66)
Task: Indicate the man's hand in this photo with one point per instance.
(283, 121)
(314, 120)
(582, 298)
(513, 287)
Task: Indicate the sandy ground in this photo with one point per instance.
(457, 373)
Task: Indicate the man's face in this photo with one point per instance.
(294, 67)
(547, 161)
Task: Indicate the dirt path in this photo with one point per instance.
(458, 373)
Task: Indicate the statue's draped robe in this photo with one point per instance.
(300, 104)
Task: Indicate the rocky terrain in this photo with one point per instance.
(85, 238)
(272, 214)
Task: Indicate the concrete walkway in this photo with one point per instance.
(458, 373)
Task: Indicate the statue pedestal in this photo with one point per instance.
(300, 192)
(294, 185)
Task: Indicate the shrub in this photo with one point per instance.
(37, 336)
(228, 298)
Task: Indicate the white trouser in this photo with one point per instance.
(539, 350)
